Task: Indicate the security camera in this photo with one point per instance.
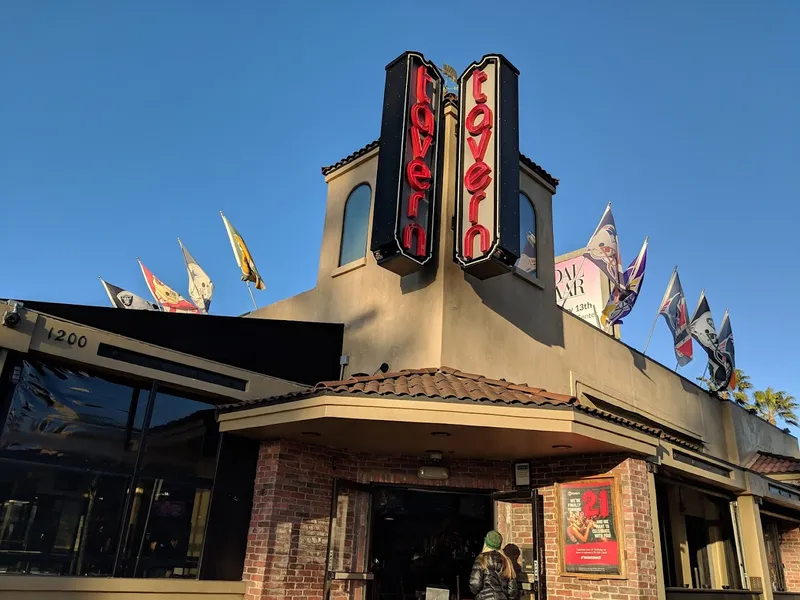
(12, 318)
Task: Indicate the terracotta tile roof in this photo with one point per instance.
(773, 464)
(446, 383)
(538, 170)
(372, 145)
(350, 158)
(439, 384)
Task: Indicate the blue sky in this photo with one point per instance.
(124, 125)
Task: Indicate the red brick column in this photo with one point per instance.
(790, 555)
(640, 545)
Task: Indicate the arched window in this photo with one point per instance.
(527, 236)
(355, 225)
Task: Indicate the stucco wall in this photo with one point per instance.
(754, 434)
(386, 319)
(505, 327)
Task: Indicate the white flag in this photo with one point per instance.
(201, 288)
(124, 299)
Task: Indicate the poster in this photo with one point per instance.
(581, 288)
(590, 528)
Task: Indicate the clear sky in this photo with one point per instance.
(124, 125)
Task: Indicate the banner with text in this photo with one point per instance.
(582, 289)
(590, 528)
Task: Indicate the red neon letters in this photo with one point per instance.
(478, 177)
(418, 173)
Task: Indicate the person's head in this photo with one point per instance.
(492, 543)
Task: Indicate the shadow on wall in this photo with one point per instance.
(419, 280)
(529, 309)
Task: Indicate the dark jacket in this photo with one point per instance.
(488, 583)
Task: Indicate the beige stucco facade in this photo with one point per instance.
(507, 327)
(511, 327)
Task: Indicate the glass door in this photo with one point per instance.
(518, 518)
(347, 570)
(773, 544)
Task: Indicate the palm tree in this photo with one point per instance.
(773, 405)
(740, 392)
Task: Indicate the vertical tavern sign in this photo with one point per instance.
(408, 180)
(487, 178)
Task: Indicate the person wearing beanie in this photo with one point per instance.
(493, 575)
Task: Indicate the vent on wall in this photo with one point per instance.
(171, 367)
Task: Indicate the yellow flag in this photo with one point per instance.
(243, 257)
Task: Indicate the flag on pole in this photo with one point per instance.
(621, 302)
(603, 248)
(124, 299)
(169, 299)
(704, 331)
(726, 348)
(673, 307)
(243, 257)
(201, 288)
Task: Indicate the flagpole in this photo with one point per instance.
(108, 292)
(658, 312)
(253, 298)
(652, 329)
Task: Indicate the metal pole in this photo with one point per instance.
(253, 298)
(652, 329)
(126, 513)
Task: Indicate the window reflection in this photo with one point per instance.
(527, 236)
(355, 224)
(173, 496)
(68, 450)
(64, 413)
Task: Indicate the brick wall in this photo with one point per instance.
(640, 549)
(288, 538)
(790, 555)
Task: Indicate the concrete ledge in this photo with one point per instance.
(32, 587)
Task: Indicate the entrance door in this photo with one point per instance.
(517, 516)
(347, 569)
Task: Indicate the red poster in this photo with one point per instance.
(591, 534)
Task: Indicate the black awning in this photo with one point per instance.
(298, 351)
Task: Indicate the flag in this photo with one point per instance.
(603, 248)
(169, 299)
(621, 302)
(726, 348)
(243, 257)
(673, 307)
(201, 288)
(124, 299)
(704, 331)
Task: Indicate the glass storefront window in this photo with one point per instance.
(174, 492)
(63, 413)
(58, 521)
(72, 501)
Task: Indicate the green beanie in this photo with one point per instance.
(493, 540)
